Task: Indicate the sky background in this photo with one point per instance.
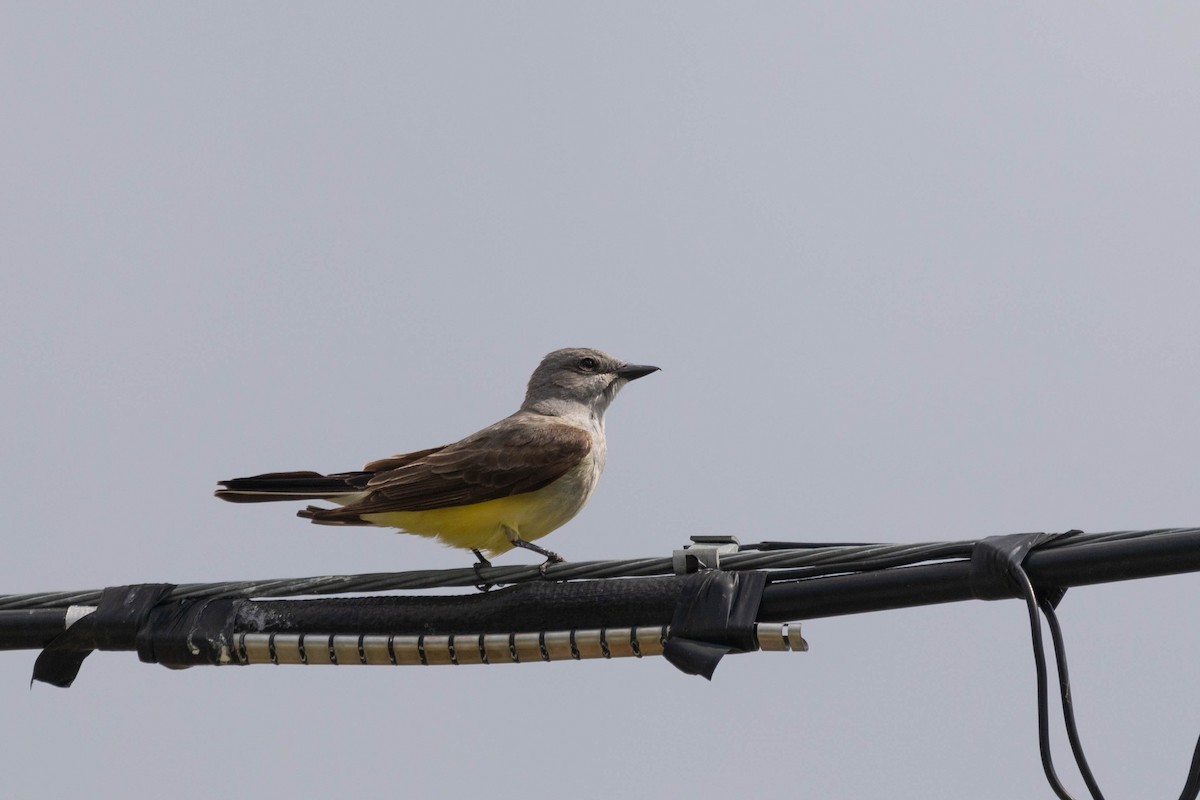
(913, 272)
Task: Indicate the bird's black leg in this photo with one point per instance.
(515, 540)
(483, 585)
(551, 556)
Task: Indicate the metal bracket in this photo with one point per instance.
(704, 553)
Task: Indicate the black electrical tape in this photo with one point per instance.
(996, 560)
(114, 625)
(187, 633)
(714, 615)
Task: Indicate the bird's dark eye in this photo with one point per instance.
(588, 363)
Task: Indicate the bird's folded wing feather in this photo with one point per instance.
(511, 457)
(393, 462)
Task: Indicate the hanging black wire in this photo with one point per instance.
(1034, 605)
(1039, 662)
(1192, 787)
(1068, 703)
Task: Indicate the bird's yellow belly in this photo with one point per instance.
(482, 526)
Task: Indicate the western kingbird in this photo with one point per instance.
(500, 488)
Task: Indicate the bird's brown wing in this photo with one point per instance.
(395, 462)
(514, 456)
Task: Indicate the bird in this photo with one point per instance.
(500, 488)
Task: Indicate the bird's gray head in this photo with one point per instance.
(579, 379)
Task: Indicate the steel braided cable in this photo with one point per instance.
(806, 562)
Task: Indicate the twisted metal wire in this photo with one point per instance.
(801, 561)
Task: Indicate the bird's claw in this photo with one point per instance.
(551, 558)
(482, 563)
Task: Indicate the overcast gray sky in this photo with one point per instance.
(913, 272)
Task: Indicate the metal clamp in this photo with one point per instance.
(704, 553)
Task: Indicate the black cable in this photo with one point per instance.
(1191, 787)
(775, 545)
(930, 553)
(863, 578)
(1068, 706)
(1078, 560)
(1039, 662)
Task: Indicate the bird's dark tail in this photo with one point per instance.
(275, 486)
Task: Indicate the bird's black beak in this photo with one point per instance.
(631, 372)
